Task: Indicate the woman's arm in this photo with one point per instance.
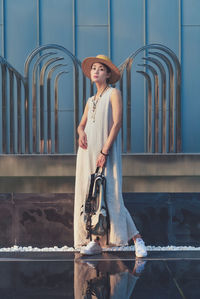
(116, 102)
(82, 141)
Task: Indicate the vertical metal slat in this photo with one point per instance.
(11, 114)
(56, 115)
(19, 115)
(149, 111)
(128, 109)
(26, 118)
(7, 112)
(15, 121)
(1, 113)
(4, 99)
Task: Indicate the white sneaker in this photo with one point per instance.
(91, 248)
(140, 248)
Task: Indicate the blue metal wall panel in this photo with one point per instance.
(20, 32)
(127, 28)
(90, 12)
(66, 141)
(56, 21)
(190, 77)
(91, 41)
(163, 23)
(190, 89)
(1, 27)
(191, 9)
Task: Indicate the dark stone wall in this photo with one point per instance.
(47, 219)
(166, 218)
(36, 219)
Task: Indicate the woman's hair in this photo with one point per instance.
(107, 68)
(108, 71)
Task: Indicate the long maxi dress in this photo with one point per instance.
(122, 227)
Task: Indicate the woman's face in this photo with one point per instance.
(99, 73)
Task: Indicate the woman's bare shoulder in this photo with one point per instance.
(89, 100)
(115, 93)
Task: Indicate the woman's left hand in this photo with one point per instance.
(101, 160)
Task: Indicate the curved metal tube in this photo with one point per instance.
(171, 98)
(76, 63)
(45, 66)
(56, 112)
(149, 109)
(3, 61)
(50, 134)
(46, 47)
(42, 75)
(156, 105)
(163, 100)
(36, 125)
(38, 61)
(176, 62)
(128, 109)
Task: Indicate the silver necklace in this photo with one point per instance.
(95, 102)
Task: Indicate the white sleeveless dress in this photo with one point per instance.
(122, 227)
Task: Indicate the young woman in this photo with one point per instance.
(100, 145)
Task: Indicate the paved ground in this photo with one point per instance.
(50, 275)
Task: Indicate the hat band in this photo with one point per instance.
(103, 57)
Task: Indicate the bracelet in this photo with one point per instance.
(104, 154)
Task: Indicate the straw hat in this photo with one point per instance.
(89, 61)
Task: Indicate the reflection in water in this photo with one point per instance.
(54, 279)
(105, 278)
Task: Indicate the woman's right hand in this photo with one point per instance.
(82, 141)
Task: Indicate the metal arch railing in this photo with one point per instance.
(166, 55)
(12, 110)
(25, 126)
(26, 123)
(44, 129)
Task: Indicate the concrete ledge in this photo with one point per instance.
(37, 184)
(161, 165)
(141, 173)
(133, 165)
(37, 165)
(175, 184)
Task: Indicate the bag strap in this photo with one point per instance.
(98, 170)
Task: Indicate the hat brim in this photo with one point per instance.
(88, 62)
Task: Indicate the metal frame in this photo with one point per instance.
(11, 142)
(76, 64)
(166, 55)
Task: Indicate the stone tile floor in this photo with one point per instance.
(51, 275)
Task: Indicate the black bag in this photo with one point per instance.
(94, 211)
